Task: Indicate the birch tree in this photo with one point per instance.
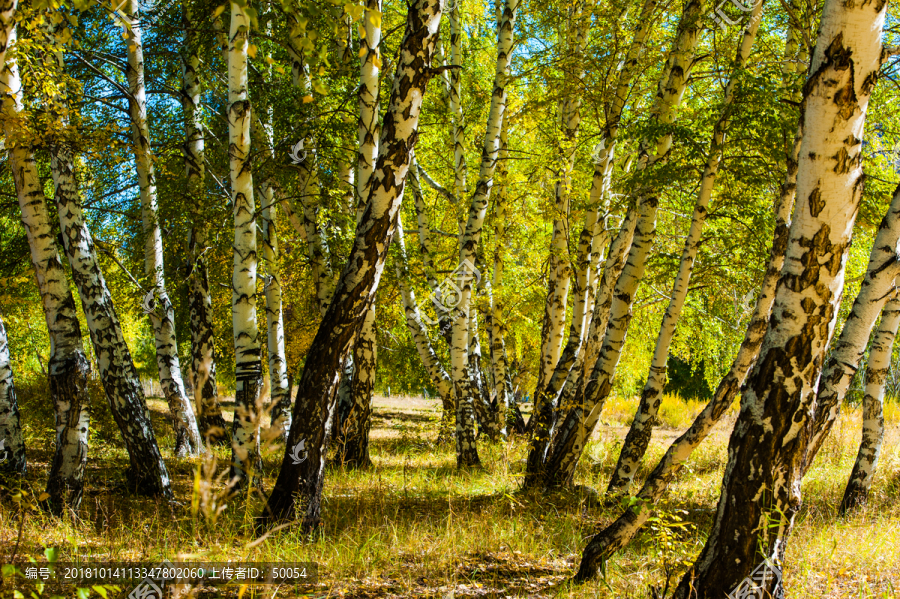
(359, 279)
(580, 419)
(246, 461)
(847, 352)
(210, 422)
(160, 309)
(761, 490)
(12, 452)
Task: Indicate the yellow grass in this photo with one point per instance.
(414, 526)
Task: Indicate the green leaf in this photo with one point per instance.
(52, 554)
(100, 591)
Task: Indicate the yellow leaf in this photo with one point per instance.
(218, 11)
(362, 51)
(270, 60)
(251, 51)
(377, 61)
(307, 99)
(375, 18)
(43, 496)
(362, 32)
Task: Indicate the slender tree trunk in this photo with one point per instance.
(448, 403)
(355, 418)
(417, 331)
(358, 283)
(162, 314)
(278, 382)
(879, 364)
(638, 438)
(496, 326)
(455, 104)
(761, 490)
(246, 462)
(210, 422)
(12, 449)
(579, 422)
(847, 352)
(466, 451)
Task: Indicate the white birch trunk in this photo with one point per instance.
(877, 369)
(455, 104)
(12, 450)
(761, 490)
(278, 380)
(162, 314)
(246, 462)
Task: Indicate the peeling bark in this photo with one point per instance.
(847, 352)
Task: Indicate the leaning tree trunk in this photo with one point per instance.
(879, 364)
(761, 488)
(246, 462)
(355, 419)
(417, 331)
(466, 451)
(210, 422)
(847, 352)
(618, 534)
(12, 448)
(638, 438)
(68, 366)
(358, 282)
(161, 312)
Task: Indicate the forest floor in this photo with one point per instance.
(415, 526)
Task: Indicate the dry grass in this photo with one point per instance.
(414, 526)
